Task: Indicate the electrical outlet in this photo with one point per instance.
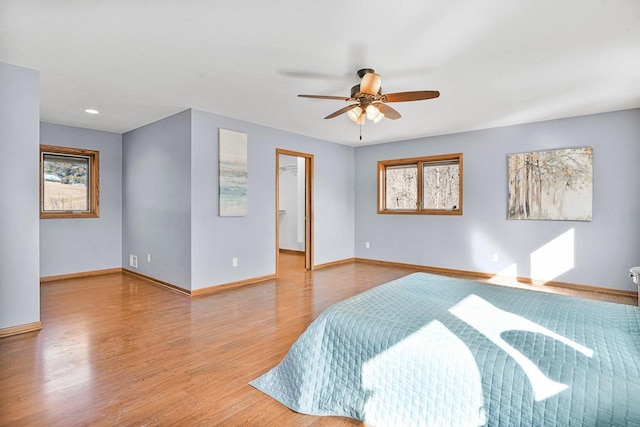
(366, 245)
(234, 262)
(148, 257)
(494, 256)
(133, 261)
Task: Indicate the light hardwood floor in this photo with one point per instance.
(117, 350)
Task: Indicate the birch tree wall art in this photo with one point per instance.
(551, 185)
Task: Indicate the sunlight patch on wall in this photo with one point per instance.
(511, 272)
(554, 258)
(483, 247)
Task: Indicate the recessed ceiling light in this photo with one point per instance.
(91, 111)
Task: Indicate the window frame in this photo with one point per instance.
(93, 186)
(419, 163)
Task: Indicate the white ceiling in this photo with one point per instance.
(495, 62)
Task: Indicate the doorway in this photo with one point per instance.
(294, 205)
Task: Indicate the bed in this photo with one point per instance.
(437, 351)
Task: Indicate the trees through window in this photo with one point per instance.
(422, 185)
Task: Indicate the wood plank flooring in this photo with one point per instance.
(117, 350)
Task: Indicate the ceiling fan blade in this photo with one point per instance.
(339, 98)
(370, 83)
(411, 96)
(388, 112)
(341, 111)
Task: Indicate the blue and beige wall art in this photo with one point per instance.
(232, 177)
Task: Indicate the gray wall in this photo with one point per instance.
(156, 199)
(19, 211)
(85, 244)
(170, 201)
(252, 239)
(603, 249)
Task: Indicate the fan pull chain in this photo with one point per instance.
(360, 132)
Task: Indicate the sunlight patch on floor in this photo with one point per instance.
(510, 273)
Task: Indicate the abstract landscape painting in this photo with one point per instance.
(551, 185)
(232, 178)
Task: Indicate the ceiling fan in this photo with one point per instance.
(371, 103)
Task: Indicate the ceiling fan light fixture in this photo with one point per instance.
(354, 114)
(370, 102)
(370, 84)
(372, 112)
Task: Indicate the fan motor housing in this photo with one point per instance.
(364, 71)
(355, 90)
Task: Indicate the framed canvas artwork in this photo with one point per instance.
(232, 175)
(551, 185)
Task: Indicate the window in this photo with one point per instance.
(423, 185)
(68, 182)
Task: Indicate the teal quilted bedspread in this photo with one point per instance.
(436, 351)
